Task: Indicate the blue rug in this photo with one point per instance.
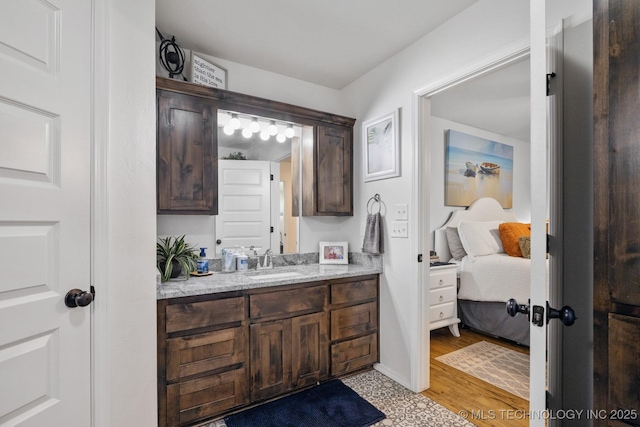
(331, 404)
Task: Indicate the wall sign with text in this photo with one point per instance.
(207, 73)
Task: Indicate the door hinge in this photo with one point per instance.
(271, 228)
(419, 257)
(549, 77)
(271, 177)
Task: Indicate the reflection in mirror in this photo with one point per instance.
(253, 208)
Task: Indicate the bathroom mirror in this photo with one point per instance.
(255, 182)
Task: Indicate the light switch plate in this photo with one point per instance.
(400, 229)
(401, 212)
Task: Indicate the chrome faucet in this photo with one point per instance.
(267, 260)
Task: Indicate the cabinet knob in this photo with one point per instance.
(441, 298)
(441, 315)
(441, 282)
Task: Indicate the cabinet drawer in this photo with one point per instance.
(287, 303)
(354, 291)
(442, 295)
(443, 278)
(182, 317)
(189, 401)
(196, 354)
(354, 320)
(441, 311)
(354, 354)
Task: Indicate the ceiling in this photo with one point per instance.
(497, 102)
(332, 43)
(328, 42)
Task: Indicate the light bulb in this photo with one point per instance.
(234, 122)
(289, 132)
(264, 135)
(246, 132)
(281, 138)
(254, 126)
(273, 129)
(228, 130)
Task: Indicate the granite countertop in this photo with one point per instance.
(218, 282)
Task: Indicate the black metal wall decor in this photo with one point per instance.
(171, 56)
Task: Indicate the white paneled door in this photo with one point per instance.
(45, 136)
(244, 205)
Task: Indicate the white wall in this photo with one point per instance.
(483, 29)
(480, 30)
(131, 157)
(521, 170)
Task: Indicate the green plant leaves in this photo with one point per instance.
(175, 249)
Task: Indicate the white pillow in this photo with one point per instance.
(480, 238)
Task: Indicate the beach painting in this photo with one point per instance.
(477, 167)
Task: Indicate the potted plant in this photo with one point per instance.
(173, 256)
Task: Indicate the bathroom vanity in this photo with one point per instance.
(227, 341)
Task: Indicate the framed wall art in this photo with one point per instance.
(477, 167)
(381, 147)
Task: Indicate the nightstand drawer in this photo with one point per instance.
(442, 278)
(442, 295)
(441, 311)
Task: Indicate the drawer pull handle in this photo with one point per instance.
(441, 282)
(441, 297)
(441, 315)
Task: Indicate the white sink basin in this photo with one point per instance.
(271, 276)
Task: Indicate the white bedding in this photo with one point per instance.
(496, 277)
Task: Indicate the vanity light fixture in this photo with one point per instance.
(281, 138)
(264, 135)
(273, 129)
(254, 126)
(246, 132)
(228, 130)
(289, 132)
(235, 121)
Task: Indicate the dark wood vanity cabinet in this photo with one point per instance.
(221, 352)
(187, 154)
(187, 150)
(327, 171)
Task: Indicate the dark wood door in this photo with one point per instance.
(187, 158)
(309, 349)
(270, 358)
(617, 211)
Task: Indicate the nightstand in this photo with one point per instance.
(443, 308)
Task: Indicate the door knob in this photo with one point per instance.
(79, 298)
(514, 308)
(218, 241)
(566, 314)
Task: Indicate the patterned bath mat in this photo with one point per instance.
(500, 366)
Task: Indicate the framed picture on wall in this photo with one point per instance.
(334, 252)
(477, 167)
(381, 147)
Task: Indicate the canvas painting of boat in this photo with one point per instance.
(477, 167)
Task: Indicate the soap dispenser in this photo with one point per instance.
(242, 261)
(203, 262)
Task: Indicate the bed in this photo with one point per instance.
(488, 276)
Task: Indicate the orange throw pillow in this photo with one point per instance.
(509, 234)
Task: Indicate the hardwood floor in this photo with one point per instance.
(485, 404)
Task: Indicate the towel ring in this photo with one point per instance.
(376, 199)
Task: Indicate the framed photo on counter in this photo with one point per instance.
(334, 252)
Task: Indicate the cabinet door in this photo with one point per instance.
(309, 349)
(328, 190)
(187, 155)
(270, 358)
